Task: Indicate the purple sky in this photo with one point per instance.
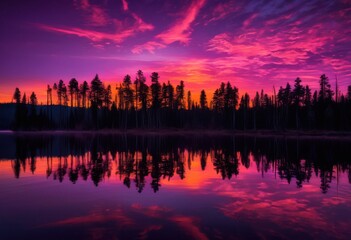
(254, 44)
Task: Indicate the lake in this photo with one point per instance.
(181, 186)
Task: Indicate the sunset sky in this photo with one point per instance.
(253, 44)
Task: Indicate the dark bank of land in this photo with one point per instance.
(197, 132)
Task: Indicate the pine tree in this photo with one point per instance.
(298, 92)
(127, 92)
(298, 97)
(107, 97)
(155, 91)
(189, 100)
(96, 92)
(84, 89)
(325, 93)
(308, 96)
(73, 89)
(180, 96)
(17, 96)
(203, 100)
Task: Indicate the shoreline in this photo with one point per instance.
(197, 132)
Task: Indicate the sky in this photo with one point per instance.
(254, 44)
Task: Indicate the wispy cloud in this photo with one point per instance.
(125, 5)
(150, 46)
(96, 15)
(190, 225)
(284, 47)
(220, 11)
(97, 36)
(181, 30)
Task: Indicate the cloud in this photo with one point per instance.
(150, 46)
(125, 5)
(220, 11)
(187, 224)
(249, 20)
(95, 217)
(190, 226)
(181, 30)
(124, 31)
(96, 15)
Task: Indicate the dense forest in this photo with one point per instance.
(162, 106)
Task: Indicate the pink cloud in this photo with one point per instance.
(154, 211)
(248, 21)
(180, 31)
(189, 225)
(96, 15)
(150, 46)
(278, 20)
(223, 43)
(140, 24)
(287, 47)
(92, 218)
(145, 233)
(125, 5)
(91, 35)
(333, 201)
(123, 32)
(221, 11)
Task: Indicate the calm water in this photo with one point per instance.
(173, 187)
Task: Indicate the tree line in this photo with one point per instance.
(139, 105)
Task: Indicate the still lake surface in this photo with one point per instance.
(100, 186)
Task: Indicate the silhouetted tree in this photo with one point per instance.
(96, 96)
(96, 92)
(203, 100)
(244, 106)
(179, 98)
(127, 92)
(49, 101)
(298, 96)
(167, 95)
(155, 91)
(189, 100)
(33, 99)
(139, 88)
(325, 93)
(84, 88)
(308, 96)
(19, 107)
(59, 89)
(140, 79)
(73, 89)
(256, 106)
(17, 96)
(107, 99)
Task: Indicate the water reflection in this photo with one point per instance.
(103, 187)
(134, 158)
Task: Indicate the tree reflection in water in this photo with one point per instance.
(135, 157)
